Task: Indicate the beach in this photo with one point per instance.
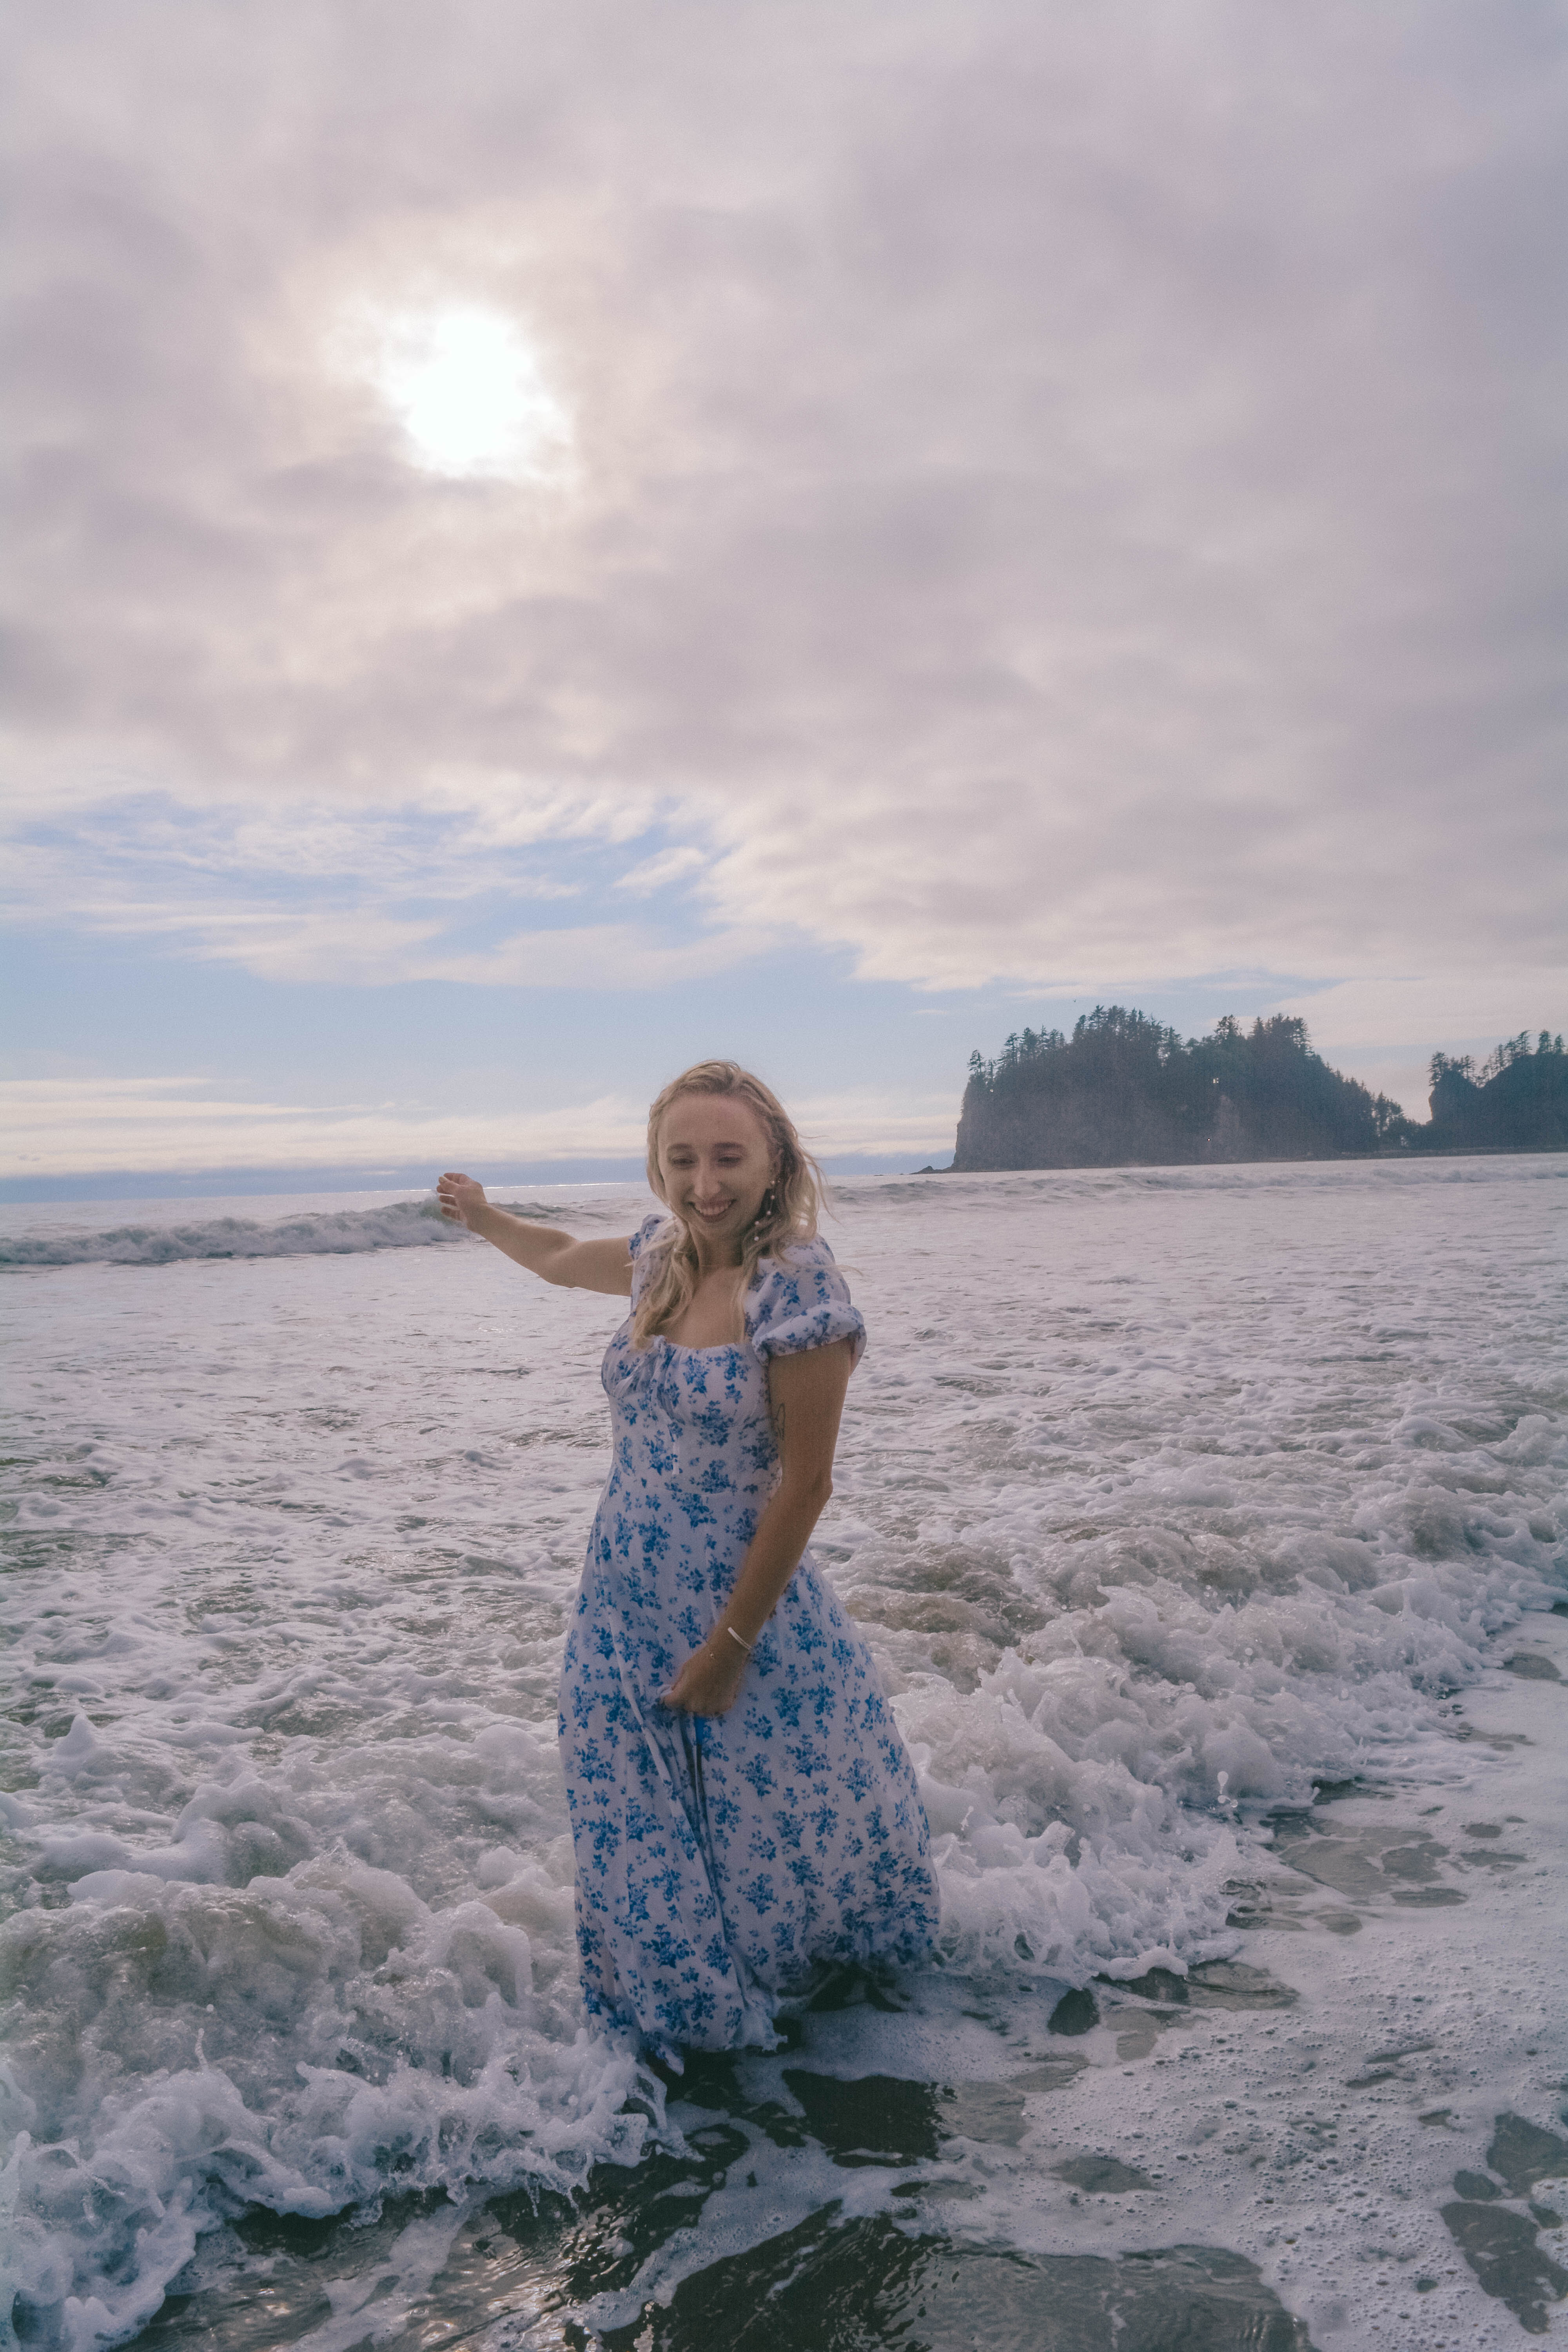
(1207, 1526)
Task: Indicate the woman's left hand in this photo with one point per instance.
(709, 1683)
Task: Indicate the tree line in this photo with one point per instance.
(1124, 1088)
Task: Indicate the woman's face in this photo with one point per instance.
(716, 1163)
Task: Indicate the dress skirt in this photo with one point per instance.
(720, 1858)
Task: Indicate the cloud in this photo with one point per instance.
(57, 1125)
(658, 873)
(1383, 1031)
(1404, 1010)
(597, 955)
(307, 894)
(899, 1127)
(1059, 496)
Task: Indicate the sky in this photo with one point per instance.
(546, 542)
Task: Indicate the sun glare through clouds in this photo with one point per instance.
(466, 385)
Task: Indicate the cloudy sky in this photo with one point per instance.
(547, 541)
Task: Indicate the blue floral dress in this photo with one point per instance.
(718, 1857)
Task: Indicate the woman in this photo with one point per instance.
(741, 1804)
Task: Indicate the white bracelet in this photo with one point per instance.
(747, 1646)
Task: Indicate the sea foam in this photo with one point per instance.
(320, 1232)
(1159, 1500)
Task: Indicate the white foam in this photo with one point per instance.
(165, 1240)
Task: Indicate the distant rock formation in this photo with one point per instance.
(1516, 1101)
(1124, 1090)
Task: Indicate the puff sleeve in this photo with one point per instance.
(646, 1233)
(803, 1301)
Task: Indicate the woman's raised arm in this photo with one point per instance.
(544, 1250)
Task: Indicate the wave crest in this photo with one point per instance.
(318, 1232)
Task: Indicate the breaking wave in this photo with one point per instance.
(318, 1232)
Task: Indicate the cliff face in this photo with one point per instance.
(1122, 1091)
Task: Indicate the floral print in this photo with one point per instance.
(718, 1857)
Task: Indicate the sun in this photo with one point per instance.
(466, 384)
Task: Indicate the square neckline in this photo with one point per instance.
(724, 1347)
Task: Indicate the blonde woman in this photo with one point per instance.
(742, 1807)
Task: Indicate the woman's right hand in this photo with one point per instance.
(462, 1199)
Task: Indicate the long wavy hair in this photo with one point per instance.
(790, 1208)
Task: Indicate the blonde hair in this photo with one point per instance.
(790, 1207)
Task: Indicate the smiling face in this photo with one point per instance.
(715, 1163)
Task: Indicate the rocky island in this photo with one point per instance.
(1124, 1090)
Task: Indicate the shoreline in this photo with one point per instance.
(1406, 1159)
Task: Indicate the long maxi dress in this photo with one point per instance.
(718, 1857)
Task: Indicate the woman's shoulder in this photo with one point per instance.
(794, 1252)
(799, 1265)
(649, 1230)
(799, 1300)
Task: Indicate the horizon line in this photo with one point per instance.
(404, 1176)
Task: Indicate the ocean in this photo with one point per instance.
(1208, 1527)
